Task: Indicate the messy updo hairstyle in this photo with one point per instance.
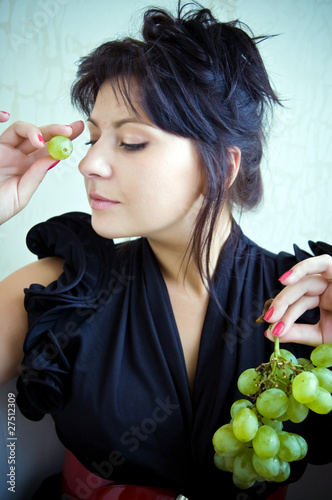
(197, 78)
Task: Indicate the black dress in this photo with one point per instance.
(103, 356)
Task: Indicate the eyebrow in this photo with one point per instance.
(119, 123)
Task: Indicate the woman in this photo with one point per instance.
(135, 348)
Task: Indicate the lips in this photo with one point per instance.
(99, 202)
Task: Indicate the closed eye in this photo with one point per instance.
(90, 143)
(133, 147)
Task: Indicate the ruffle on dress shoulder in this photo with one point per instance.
(286, 260)
(55, 312)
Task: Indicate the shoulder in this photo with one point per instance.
(281, 261)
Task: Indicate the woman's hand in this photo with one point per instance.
(24, 161)
(307, 285)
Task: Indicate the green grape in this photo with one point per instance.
(243, 467)
(290, 448)
(248, 382)
(303, 445)
(272, 403)
(324, 376)
(245, 425)
(305, 363)
(60, 147)
(266, 442)
(296, 411)
(286, 371)
(242, 484)
(225, 442)
(277, 425)
(219, 461)
(322, 356)
(224, 463)
(284, 417)
(240, 403)
(322, 403)
(266, 467)
(305, 387)
(284, 472)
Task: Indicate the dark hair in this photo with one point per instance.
(201, 79)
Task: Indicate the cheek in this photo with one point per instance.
(177, 176)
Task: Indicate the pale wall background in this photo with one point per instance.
(39, 44)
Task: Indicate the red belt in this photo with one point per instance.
(80, 484)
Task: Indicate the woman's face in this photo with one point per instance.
(140, 180)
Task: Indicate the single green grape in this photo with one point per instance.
(305, 363)
(224, 463)
(305, 387)
(225, 442)
(324, 376)
(296, 411)
(245, 425)
(284, 472)
(322, 403)
(272, 403)
(237, 405)
(266, 442)
(60, 147)
(303, 445)
(243, 467)
(248, 382)
(290, 448)
(242, 484)
(322, 356)
(266, 467)
(219, 461)
(277, 425)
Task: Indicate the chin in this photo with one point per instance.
(106, 229)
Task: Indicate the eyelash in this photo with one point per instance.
(124, 145)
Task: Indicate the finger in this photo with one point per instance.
(301, 334)
(309, 285)
(73, 130)
(280, 328)
(27, 137)
(321, 264)
(17, 133)
(4, 116)
(326, 298)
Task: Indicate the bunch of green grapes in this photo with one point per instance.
(253, 446)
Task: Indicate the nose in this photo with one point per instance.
(96, 163)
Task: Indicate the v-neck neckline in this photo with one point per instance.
(210, 319)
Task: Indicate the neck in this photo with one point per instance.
(177, 263)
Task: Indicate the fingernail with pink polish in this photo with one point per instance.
(5, 113)
(53, 165)
(41, 139)
(268, 313)
(278, 329)
(285, 275)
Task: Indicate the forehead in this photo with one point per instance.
(113, 100)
